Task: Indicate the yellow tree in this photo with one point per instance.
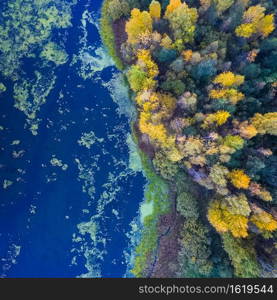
(247, 131)
(156, 132)
(182, 20)
(139, 23)
(155, 9)
(166, 42)
(145, 61)
(255, 22)
(187, 55)
(173, 4)
(223, 220)
(229, 79)
(231, 94)
(266, 25)
(245, 30)
(265, 124)
(219, 118)
(257, 190)
(263, 220)
(141, 76)
(239, 179)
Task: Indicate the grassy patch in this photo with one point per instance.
(156, 191)
(107, 34)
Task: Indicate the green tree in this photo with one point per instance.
(118, 8)
(242, 255)
(182, 21)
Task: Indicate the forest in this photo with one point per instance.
(203, 77)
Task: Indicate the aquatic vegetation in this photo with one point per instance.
(104, 199)
(11, 259)
(7, 183)
(66, 156)
(15, 142)
(134, 157)
(52, 53)
(21, 16)
(90, 248)
(33, 23)
(90, 59)
(29, 95)
(2, 87)
(86, 174)
(119, 92)
(58, 163)
(202, 75)
(88, 139)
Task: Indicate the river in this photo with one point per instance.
(71, 194)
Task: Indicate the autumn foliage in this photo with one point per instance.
(139, 23)
(256, 22)
(203, 77)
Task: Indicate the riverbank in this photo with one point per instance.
(158, 208)
(157, 253)
(196, 126)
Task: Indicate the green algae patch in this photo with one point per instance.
(135, 163)
(30, 95)
(54, 53)
(7, 183)
(32, 23)
(2, 88)
(88, 228)
(55, 162)
(26, 32)
(88, 139)
(86, 176)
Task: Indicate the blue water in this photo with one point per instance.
(41, 210)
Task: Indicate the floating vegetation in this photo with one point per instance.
(32, 22)
(90, 244)
(54, 53)
(146, 209)
(32, 67)
(18, 154)
(119, 92)
(2, 88)
(134, 237)
(7, 183)
(15, 142)
(93, 60)
(13, 253)
(86, 175)
(90, 228)
(30, 95)
(88, 139)
(134, 157)
(58, 163)
(90, 59)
